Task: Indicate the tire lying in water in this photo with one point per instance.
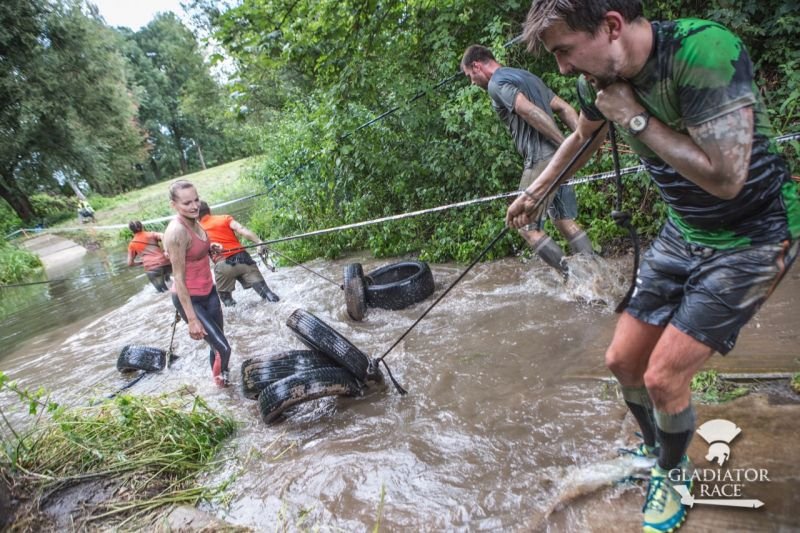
(305, 386)
(319, 336)
(135, 357)
(399, 285)
(355, 291)
(259, 373)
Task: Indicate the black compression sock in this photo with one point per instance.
(638, 401)
(674, 434)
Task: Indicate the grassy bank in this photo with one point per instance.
(215, 185)
(17, 264)
(218, 184)
(130, 457)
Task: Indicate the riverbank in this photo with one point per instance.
(56, 253)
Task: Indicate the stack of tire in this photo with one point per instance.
(392, 287)
(331, 366)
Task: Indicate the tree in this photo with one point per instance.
(65, 109)
(311, 72)
(180, 103)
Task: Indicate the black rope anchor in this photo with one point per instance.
(623, 219)
(550, 189)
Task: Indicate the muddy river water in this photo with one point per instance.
(501, 421)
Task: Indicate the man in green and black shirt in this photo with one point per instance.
(683, 95)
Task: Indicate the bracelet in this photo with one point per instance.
(530, 195)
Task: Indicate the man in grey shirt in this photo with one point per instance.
(526, 105)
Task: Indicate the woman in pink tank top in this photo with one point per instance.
(193, 291)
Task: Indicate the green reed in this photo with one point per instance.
(151, 448)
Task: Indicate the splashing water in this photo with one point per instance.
(577, 481)
(596, 280)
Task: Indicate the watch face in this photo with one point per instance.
(638, 123)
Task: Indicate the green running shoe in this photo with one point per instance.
(663, 511)
(687, 469)
(643, 450)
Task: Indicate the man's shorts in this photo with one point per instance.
(561, 205)
(226, 275)
(706, 293)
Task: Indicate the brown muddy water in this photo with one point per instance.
(497, 430)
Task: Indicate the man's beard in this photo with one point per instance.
(601, 82)
(605, 76)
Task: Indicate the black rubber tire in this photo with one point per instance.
(260, 372)
(355, 295)
(399, 285)
(135, 357)
(319, 336)
(305, 386)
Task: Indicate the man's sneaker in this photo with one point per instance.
(687, 469)
(663, 511)
(643, 458)
(643, 450)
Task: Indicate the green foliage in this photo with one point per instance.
(181, 106)
(153, 447)
(71, 117)
(53, 208)
(16, 264)
(108, 110)
(9, 220)
(323, 176)
(312, 72)
(710, 388)
(795, 382)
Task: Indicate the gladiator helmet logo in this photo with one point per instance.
(718, 434)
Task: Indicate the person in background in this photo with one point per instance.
(233, 264)
(146, 246)
(682, 94)
(193, 292)
(85, 212)
(526, 105)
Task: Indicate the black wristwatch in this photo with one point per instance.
(638, 123)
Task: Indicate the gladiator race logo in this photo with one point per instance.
(718, 486)
(718, 434)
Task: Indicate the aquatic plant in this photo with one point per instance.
(144, 452)
(709, 387)
(17, 264)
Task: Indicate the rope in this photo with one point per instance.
(550, 189)
(574, 181)
(172, 338)
(11, 285)
(380, 220)
(144, 373)
(301, 266)
(623, 218)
